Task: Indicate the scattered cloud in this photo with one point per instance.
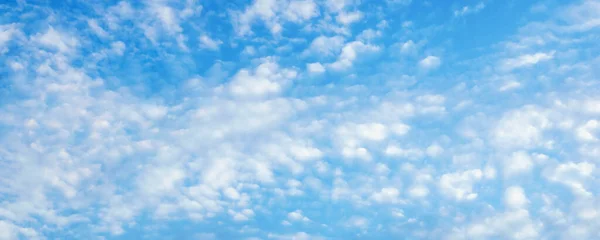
(526, 60)
(315, 68)
(349, 54)
(325, 46)
(466, 10)
(348, 17)
(430, 63)
(331, 119)
(209, 43)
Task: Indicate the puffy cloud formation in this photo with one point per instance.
(299, 119)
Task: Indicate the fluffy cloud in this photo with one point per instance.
(128, 116)
(271, 14)
(209, 43)
(266, 79)
(521, 128)
(469, 10)
(518, 163)
(348, 17)
(296, 216)
(430, 63)
(294, 236)
(573, 175)
(386, 195)
(418, 191)
(303, 10)
(586, 132)
(325, 46)
(7, 32)
(525, 60)
(408, 47)
(349, 54)
(56, 40)
(514, 197)
(315, 68)
(459, 185)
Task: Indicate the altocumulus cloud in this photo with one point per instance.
(299, 119)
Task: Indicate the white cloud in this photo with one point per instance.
(518, 163)
(349, 54)
(369, 35)
(266, 79)
(430, 63)
(581, 17)
(296, 216)
(466, 10)
(357, 222)
(431, 99)
(160, 180)
(408, 47)
(208, 43)
(298, 11)
(356, 152)
(521, 128)
(294, 236)
(315, 68)
(99, 31)
(271, 13)
(261, 9)
(434, 150)
(16, 66)
(57, 40)
(526, 60)
(160, 21)
(352, 134)
(249, 50)
(337, 5)
(351, 137)
(418, 191)
(6, 34)
(398, 213)
(304, 153)
(514, 197)
(371, 131)
(410, 153)
(242, 216)
(231, 193)
(459, 185)
(347, 18)
(10, 231)
(399, 129)
(382, 169)
(386, 195)
(585, 133)
(118, 47)
(83, 129)
(489, 172)
(325, 46)
(591, 106)
(167, 16)
(515, 224)
(510, 85)
(573, 175)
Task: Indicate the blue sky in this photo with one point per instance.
(299, 119)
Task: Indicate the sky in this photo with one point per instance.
(300, 119)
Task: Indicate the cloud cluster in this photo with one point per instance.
(297, 119)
